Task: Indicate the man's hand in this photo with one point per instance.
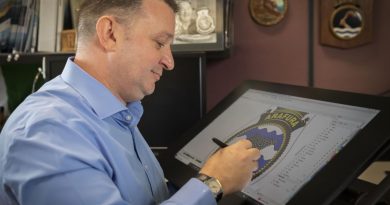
(233, 166)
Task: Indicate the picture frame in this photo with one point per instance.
(201, 26)
(68, 40)
(268, 12)
(346, 24)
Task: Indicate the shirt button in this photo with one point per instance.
(146, 167)
(128, 117)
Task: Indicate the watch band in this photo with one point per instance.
(213, 184)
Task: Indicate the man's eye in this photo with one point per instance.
(160, 45)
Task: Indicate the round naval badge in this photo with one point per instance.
(347, 22)
(204, 22)
(267, 12)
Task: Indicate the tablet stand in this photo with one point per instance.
(365, 193)
(377, 193)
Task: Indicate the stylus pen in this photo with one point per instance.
(219, 142)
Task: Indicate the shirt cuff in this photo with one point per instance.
(192, 193)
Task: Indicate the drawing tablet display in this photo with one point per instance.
(298, 136)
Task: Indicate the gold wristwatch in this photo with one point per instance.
(213, 184)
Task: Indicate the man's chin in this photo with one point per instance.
(149, 91)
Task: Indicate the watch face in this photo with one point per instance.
(202, 177)
(214, 186)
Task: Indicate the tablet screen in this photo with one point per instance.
(296, 136)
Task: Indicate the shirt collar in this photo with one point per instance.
(102, 101)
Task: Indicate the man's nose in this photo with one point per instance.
(168, 61)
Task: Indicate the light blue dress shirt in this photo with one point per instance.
(73, 142)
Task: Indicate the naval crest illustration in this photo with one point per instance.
(271, 134)
(347, 21)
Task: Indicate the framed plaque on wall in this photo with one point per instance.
(346, 23)
(201, 25)
(268, 12)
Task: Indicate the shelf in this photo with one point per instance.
(36, 58)
(27, 58)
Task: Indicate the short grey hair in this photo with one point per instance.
(92, 10)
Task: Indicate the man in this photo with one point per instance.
(3, 99)
(75, 141)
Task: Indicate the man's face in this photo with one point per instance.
(143, 51)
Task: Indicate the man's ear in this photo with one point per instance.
(106, 32)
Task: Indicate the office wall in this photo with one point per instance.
(280, 54)
(365, 69)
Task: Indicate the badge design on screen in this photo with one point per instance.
(271, 134)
